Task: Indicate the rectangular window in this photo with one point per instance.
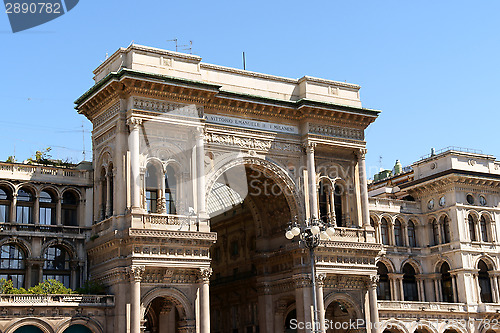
(170, 202)
(46, 215)
(151, 201)
(64, 279)
(23, 214)
(69, 217)
(4, 213)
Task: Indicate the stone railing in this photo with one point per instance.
(169, 222)
(33, 172)
(392, 205)
(422, 306)
(354, 235)
(57, 300)
(19, 227)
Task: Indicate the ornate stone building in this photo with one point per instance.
(437, 222)
(198, 170)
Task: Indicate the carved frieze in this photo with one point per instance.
(337, 131)
(106, 115)
(190, 110)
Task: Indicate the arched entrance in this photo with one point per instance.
(28, 329)
(78, 329)
(164, 315)
(338, 315)
(249, 209)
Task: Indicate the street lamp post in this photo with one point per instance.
(310, 233)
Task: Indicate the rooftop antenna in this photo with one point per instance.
(187, 47)
(174, 40)
(380, 163)
(244, 62)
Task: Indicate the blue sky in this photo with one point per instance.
(432, 67)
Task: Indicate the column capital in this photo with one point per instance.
(372, 281)
(309, 147)
(302, 280)
(134, 123)
(199, 132)
(320, 279)
(135, 272)
(360, 153)
(205, 274)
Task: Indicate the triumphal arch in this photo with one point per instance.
(199, 170)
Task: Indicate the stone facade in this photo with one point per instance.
(198, 171)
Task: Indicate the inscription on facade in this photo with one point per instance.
(248, 123)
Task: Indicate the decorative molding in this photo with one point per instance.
(337, 131)
(106, 115)
(190, 110)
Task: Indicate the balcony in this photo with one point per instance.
(406, 306)
(19, 228)
(57, 300)
(394, 206)
(26, 172)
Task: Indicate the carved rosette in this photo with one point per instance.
(205, 274)
(135, 273)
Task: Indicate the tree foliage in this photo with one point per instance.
(48, 287)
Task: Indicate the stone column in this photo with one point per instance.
(475, 280)
(363, 188)
(494, 287)
(401, 288)
(205, 274)
(393, 285)
(13, 208)
(73, 276)
(404, 231)
(29, 267)
(420, 288)
(200, 171)
(135, 274)
(36, 210)
(279, 316)
(162, 201)
(311, 175)
(320, 282)
(372, 300)
(302, 283)
(135, 177)
(59, 210)
(454, 287)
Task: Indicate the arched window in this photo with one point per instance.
(484, 283)
(337, 199)
(47, 208)
(24, 209)
(323, 199)
(383, 287)
(170, 190)
(57, 265)
(409, 283)
(446, 283)
(446, 229)
(484, 229)
(12, 264)
(384, 231)
(412, 240)
(111, 189)
(472, 228)
(5, 200)
(398, 236)
(104, 194)
(435, 232)
(69, 209)
(152, 189)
